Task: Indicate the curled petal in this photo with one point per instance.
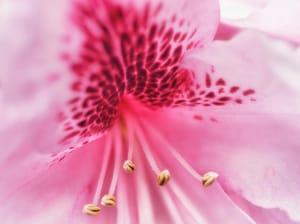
(259, 214)
(271, 16)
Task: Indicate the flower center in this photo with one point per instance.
(137, 51)
(130, 133)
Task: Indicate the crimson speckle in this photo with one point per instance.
(207, 80)
(248, 92)
(234, 89)
(220, 82)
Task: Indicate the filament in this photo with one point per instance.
(117, 167)
(144, 145)
(107, 150)
(173, 151)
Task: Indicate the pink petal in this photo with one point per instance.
(261, 215)
(30, 57)
(269, 69)
(51, 194)
(262, 163)
(271, 16)
(194, 203)
(253, 145)
(32, 85)
(254, 154)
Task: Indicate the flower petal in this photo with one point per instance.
(35, 192)
(259, 162)
(271, 16)
(262, 163)
(259, 214)
(255, 155)
(33, 75)
(266, 75)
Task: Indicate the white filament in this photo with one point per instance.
(173, 151)
(107, 150)
(117, 165)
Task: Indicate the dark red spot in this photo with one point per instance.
(152, 32)
(224, 98)
(234, 89)
(248, 92)
(198, 117)
(220, 82)
(239, 101)
(210, 95)
(207, 80)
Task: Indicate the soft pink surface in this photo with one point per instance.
(251, 140)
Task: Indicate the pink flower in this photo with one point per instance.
(147, 112)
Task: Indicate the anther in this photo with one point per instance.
(128, 166)
(163, 177)
(91, 209)
(108, 200)
(209, 178)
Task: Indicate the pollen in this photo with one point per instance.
(91, 209)
(128, 166)
(209, 178)
(108, 200)
(163, 177)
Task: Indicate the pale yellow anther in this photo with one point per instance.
(91, 209)
(108, 200)
(128, 166)
(163, 177)
(209, 178)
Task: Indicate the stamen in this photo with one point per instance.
(91, 209)
(172, 207)
(144, 144)
(163, 177)
(127, 133)
(188, 204)
(173, 151)
(128, 166)
(209, 178)
(108, 200)
(107, 150)
(131, 141)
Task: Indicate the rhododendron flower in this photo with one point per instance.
(148, 112)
